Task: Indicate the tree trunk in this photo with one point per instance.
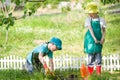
(6, 37)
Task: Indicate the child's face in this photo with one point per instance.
(53, 47)
(93, 15)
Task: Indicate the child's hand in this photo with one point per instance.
(96, 41)
(48, 72)
(102, 41)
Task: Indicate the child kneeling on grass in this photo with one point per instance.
(35, 59)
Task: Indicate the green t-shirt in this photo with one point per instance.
(40, 49)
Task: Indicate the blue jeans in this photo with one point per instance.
(29, 67)
(94, 59)
(35, 65)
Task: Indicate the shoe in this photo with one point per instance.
(90, 70)
(98, 70)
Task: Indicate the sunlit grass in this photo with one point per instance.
(59, 75)
(67, 26)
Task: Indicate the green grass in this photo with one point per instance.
(67, 26)
(25, 31)
(59, 75)
(70, 28)
(19, 75)
(112, 34)
(113, 6)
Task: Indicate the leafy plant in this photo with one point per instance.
(6, 13)
(66, 9)
(109, 1)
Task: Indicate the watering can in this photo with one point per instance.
(83, 71)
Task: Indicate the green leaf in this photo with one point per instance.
(10, 14)
(17, 2)
(11, 23)
(7, 27)
(1, 20)
(30, 13)
(0, 23)
(29, 5)
(25, 11)
(3, 1)
(5, 21)
(33, 10)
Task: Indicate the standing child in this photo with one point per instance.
(94, 37)
(35, 59)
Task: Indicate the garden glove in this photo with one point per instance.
(47, 71)
(52, 73)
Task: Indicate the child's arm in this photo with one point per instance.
(103, 27)
(41, 58)
(51, 64)
(103, 35)
(47, 70)
(92, 33)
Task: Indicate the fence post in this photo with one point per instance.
(111, 63)
(104, 63)
(118, 62)
(1, 65)
(10, 61)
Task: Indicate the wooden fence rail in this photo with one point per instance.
(110, 63)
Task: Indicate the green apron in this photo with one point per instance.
(90, 47)
(36, 62)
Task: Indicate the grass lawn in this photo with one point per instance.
(28, 32)
(25, 33)
(59, 75)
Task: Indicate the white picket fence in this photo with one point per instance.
(110, 63)
(11, 62)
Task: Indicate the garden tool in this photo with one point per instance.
(52, 73)
(98, 70)
(83, 71)
(90, 70)
(48, 72)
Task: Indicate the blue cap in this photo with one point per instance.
(56, 41)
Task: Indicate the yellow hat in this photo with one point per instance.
(91, 8)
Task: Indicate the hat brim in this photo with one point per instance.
(92, 11)
(59, 47)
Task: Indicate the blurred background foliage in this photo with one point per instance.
(24, 30)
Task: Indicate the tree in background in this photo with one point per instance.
(6, 12)
(7, 19)
(110, 1)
